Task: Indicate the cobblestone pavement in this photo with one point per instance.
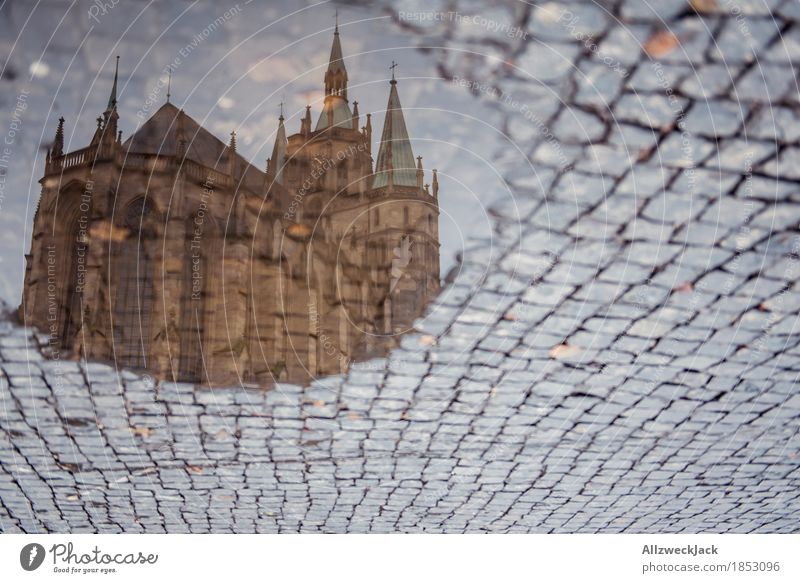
(619, 356)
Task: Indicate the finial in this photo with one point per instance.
(336, 30)
(169, 83)
(99, 121)
(393, 67)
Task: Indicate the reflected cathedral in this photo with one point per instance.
(169, 252)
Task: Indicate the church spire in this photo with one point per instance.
(395, 166)
(278, 158)
(336, 75)
(110, 115)
(112, 99)
(335, 109)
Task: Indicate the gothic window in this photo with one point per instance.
(405, 215)
(377, 215)
(73, 312)
(134, 302)
(193, 301)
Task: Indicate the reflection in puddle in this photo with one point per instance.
(172, 253)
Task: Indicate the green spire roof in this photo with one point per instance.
(395, 155)
(112, 99)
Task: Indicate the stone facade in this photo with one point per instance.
(170, 252)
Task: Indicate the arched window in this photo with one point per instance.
(133, 270)
(72, 309)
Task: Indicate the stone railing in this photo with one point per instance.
(147, 162)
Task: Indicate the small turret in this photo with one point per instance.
(232, 155)
(355, 116)
(305, 125)
(420, 173)
(58, 143)
(435, 184)
(98, 133)
(368, 133)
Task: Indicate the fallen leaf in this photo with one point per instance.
(195, 469)
(660, 43)
(142, 431)
(684, 287)
(704, 6)
(427, 340)
(564, 351)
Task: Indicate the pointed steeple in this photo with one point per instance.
(110, 115)
(336, 75)
(112, 99)
(395, 166)
(335, 109)
(435, 184)
(58, 143)
(278, 158)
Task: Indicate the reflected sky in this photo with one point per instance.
(233, 64)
